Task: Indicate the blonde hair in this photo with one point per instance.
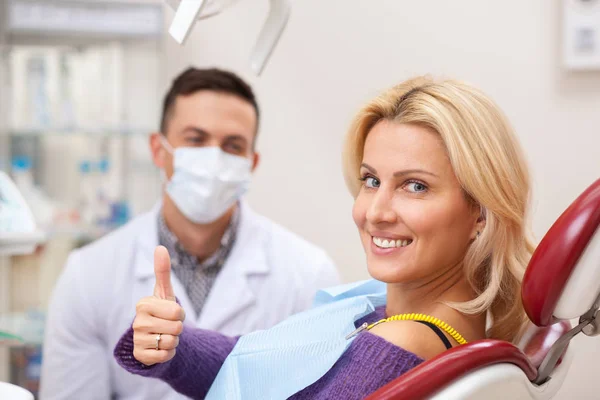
(490, 166)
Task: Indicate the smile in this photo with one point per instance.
(390, 243)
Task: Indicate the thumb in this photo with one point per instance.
(162, 271)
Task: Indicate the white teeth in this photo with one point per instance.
(387, 244)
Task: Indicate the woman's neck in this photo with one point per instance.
(427, 293)
(429, 297)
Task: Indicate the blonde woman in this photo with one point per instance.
(441, 196)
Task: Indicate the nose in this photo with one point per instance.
(213, 142)
(380, 210)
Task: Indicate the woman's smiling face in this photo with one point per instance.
(414, 219)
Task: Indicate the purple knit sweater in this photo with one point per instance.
(369, 363)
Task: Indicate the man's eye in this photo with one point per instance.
(195, 140)
(234, 148)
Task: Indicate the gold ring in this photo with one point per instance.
(158, 340)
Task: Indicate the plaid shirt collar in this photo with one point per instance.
(181, 258)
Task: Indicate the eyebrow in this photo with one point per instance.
(200, 131)
(194, 129)
(399, 174)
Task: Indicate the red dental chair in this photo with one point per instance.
(562, 282)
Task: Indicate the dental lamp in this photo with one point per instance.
(188, 11)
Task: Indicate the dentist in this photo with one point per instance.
(234, 271)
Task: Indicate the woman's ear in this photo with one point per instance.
(480, 222)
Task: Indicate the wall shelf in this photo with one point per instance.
(113, 49)
(109, 20)
(12, 244)
(22, 329)
(93, 132)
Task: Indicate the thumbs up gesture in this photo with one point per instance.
(162, 272)
(159, 319)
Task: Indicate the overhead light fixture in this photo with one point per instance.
(187, 12)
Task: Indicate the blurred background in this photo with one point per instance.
(77, 105)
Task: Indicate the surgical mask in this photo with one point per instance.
(206, 181)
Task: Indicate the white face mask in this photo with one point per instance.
(206, 181)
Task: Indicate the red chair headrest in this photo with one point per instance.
(558, 254)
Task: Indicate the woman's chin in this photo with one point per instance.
(389, 273)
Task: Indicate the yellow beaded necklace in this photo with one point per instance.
(414, 317)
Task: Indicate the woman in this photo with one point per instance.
(441, 194)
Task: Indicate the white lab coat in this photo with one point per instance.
(271, 273)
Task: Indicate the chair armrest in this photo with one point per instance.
(433, 375)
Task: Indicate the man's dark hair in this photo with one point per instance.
(194, 80)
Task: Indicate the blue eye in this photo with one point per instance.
(371, 182)
(416, 187)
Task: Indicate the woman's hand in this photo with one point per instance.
(159, 319)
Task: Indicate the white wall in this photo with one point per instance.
(336, 54)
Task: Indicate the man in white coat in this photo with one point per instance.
(234, 270)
